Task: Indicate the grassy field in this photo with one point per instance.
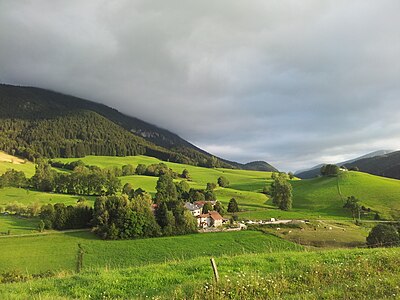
(57, 251)
(27, 167)
(17, 225)
(9, 195)
(250, 262)
(326, 195)
(335, 274)
(379, 193)
(318, 198)
(323, 234)
(314, 198)
(239, 179)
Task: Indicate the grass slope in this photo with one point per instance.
(239, 179)
(326, 195)
(339, 274)
(57, 251)
(10, 195)
(313, 198)
(323, 234)
(379, 193)
(17, 225)
(12, 162)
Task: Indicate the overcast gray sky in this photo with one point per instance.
(294, 83)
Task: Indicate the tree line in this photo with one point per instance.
(61, 217)
(81, 181)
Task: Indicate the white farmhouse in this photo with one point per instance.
(193, 208)
(210, 219)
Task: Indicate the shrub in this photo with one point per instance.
(330, 170)
(223, 181)
(233, 206)
(383, 235)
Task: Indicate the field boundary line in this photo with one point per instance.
(44, 233)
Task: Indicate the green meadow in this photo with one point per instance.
(12, 225)
(25, 196)
(318, 198)
(334, 274)
(57, 251)
(326, 195)
(239, 179)
(28, 168)
(251, 263)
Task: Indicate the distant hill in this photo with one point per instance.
(259, 166)
(36, 122)
(315, 171)
(387, 165)
(309, 173)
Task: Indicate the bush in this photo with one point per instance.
(233, 206)
(330, 170)
(223, 181)
(383, 235)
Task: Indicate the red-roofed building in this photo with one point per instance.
(210, 219)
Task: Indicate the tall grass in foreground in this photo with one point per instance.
(338, 274)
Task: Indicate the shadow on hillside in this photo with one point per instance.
(18, 223)
(87, 235)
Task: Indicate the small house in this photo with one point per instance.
(193, 208)
(210, 219)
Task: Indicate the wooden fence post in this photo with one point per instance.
(79, 259)
(215, 270)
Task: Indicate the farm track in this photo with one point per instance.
(44, 233)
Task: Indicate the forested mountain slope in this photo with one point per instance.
(387, 165)
(33, 120)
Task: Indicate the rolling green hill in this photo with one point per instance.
(326, 195)
(178, 267)
(312, 198)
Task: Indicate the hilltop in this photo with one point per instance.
(326, 195)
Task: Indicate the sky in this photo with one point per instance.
(294, 83)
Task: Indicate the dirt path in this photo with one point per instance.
(44, 233)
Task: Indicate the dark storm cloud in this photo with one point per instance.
(291, 82)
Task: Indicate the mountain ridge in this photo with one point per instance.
(315, 171)
(32, 103)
